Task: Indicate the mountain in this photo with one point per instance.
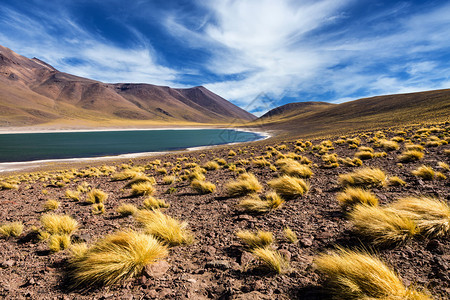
(313, 118)
(33, 92)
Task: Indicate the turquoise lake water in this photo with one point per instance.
(59, 145)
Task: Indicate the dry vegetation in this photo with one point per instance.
(250, 220)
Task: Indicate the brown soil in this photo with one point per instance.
(216, 266)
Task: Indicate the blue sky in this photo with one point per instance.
(256, 53)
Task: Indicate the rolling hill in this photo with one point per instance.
(33, 92)
(312, 118)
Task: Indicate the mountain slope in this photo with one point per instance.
(363, 114)
(33, 92)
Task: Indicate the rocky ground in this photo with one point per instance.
(216, 266)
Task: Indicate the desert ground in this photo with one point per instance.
(214, 196)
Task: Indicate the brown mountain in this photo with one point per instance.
(33, 92)
(312, 118)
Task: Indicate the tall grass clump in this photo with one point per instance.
(96, 196)
(211, 165)
(51, 205)
(427, 173)
(203, 187)
(360, 275)
(410, 156)
(140, 179)
(289, 187)
(364, 177)
(126, 209)
(256, 205)
(142, 189)
(290, 235)
(252, 240)
(154, 203)
(125, 175)
(384, 226)
(353, 196)
(164, 228)
(245, 184)
(272, 259)
(115, 258)
(74, 195)
(59, 224)
(14, 229)
(295, 169)
(432, 216)
(8, 186)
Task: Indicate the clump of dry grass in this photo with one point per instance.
(98, 209)
(197, 174)
(203, 187)
(364, 155)
(8, 186)
(165, 228)
(74, 195)
(126, 209)
(14, 229)
(290, 235)
(384, 226)
(167, 180)
(365, 177)
(96, 196)
(295, 169)
(415, 147)
(289, 187)
(59, 224)
(444, 166)
(58, 242)
(396, 181)
(411, 155)
(115, 258)
(388, 145)
(353, 196)
(125, 175)
(140, 179)
(424, 172)
(432, 216)
(51, 205)
(272, 259)
(259, 239)
(142, 189)
(360, 275)
(245, 184)
(257, 205)
(211, 165)
(153, 203)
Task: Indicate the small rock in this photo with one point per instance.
(255, 295)
(285, 253)
(435, 246)
(7, 263)
(209, 250)
(157, 269)
(246, 218)
(246, 258)
(191, 280)
(153, 294)
(306, 241)
(218, 264)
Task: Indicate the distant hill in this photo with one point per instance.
(33, 92)
(313, 118)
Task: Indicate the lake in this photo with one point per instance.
(19, 147)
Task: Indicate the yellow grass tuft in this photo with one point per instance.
(168, 180)
(388, 145)
(77, 251)
(431, 215)
(153, 203)
(98, 209)
(365, 177)
(115, 258)
(140, 179)
(396, 181)
(14, 229)
(384, 226)
(51, 205)
(444, 166)
(411, 155)
(211, 165)
(424, 172)
(8, 186)
(272, 259)
(196, 174)
(74, 195)
(142, 189)
(165, 228)
(260, 239)
(290, 235)
(125, 175)
(289, 187)
(96, 196)
(359, 275)
(255, 204)
(295, 169)
(353, 196)
(203, 187)
(58, 242)
(245, 184)
(126, 209)
(59, 224)
(415, 147)
(364, 155)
